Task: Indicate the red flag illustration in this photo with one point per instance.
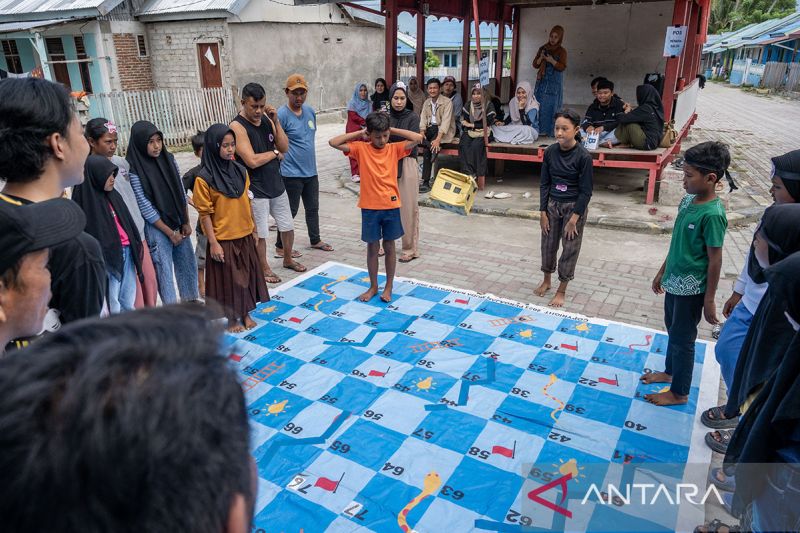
(461, 301)
(296, 320)
(570, 347)
(607, 381)
(502, 450)
(235, 357)
(376, 373)
(328, 484)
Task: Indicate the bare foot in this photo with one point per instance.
(386, 295)
(542, 289)
(237, 327)
(666, 398)
(367, 296)
(656, 377)
(558, 299)
(249, 323)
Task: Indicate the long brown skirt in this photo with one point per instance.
(237, 284)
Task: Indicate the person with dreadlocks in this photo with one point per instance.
(690, 273)
(233, 274)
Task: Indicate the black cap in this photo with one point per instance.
(26, 228)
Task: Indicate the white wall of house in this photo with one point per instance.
(622, 42)
(269, 11)
(332, 57)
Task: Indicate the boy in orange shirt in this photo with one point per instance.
(380, 196)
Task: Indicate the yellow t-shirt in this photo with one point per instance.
(231, 217)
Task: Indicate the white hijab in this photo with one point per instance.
(531, 103)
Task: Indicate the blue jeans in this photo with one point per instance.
(776, 508)
(682, 314)
(122, 291)
(168, 258)
(604, 137)
(730, 341)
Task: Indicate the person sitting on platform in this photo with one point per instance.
(602, 117)
(449, 90)
(593, 84)
(475, 116)
(522, 124)
(436, 124)
(642, 127)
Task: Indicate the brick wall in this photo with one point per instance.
(135, 73)
(173, 51)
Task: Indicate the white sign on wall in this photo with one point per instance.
(674, 41)
(483, 68)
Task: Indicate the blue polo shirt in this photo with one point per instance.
(301, 159)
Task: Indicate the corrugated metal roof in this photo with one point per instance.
(51, 8)
(751, 35)
(164, 7)
(11, 27)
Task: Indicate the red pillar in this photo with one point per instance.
(390, 65)
(498, 67)
(679, 18)
(421, 49)
(515, 16)
(465, 52)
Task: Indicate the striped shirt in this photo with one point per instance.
(149, 212)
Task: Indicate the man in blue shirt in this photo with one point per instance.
(299, 165)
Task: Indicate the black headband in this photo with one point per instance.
(703, 166)
(785, 174)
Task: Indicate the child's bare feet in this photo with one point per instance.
(367, 296)
(656, 377)
(249, 323)
(666, 398)
(236, 327)
(558, 299)
(542, 289)
(386, 295)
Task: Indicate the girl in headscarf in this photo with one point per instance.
(522, 124)
(744, 301)
(550, 62)
(642, 127)
(157, 184)
(110, 222)
(380, 98)
(102, 136)
(416, 95)
(478, 114)
(233, 276)
(408, 176)
(357, 110)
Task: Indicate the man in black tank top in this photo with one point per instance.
(260, 145)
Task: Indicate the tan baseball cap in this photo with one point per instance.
(296, 81)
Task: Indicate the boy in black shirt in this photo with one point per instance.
(602, 115)
(42, 152)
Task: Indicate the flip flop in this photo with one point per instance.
(714, 527)
(297, 267)
(729, 485)
(324, 246)
(502, 196)
(381, 253)
(719, 446)
(406, 258)
(272, 279)
(295, 254)
(489, 195)
(715, 419)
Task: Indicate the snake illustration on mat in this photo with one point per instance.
(430, 485)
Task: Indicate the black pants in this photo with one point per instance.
(428, 157)
(308, 190)
(472, 151)
(681, 316)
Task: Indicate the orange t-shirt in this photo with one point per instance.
(378, 170)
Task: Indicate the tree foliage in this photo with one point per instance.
(730, 15)
(431, 61)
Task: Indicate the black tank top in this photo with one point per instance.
(266, 180)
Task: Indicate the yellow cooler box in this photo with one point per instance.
(454, 191)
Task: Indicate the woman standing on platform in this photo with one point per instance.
(550, 61)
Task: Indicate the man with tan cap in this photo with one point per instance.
(299, 165)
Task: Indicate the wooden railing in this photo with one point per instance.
(178, 113)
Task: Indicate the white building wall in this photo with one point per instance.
(622, 42)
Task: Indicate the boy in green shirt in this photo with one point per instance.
(690, 273)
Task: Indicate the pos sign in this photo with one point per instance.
(674, 41)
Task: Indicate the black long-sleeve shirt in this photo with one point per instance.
(566, 177)
(605, 116)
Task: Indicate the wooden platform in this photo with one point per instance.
(653, 161)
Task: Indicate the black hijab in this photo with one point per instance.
(402, 120)
(649, 114)
(160, 180)
(787, 168)
(769, 422)
(769, 333)
(379, 99)
(780, 226)
(94, 201)
(225, 176)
